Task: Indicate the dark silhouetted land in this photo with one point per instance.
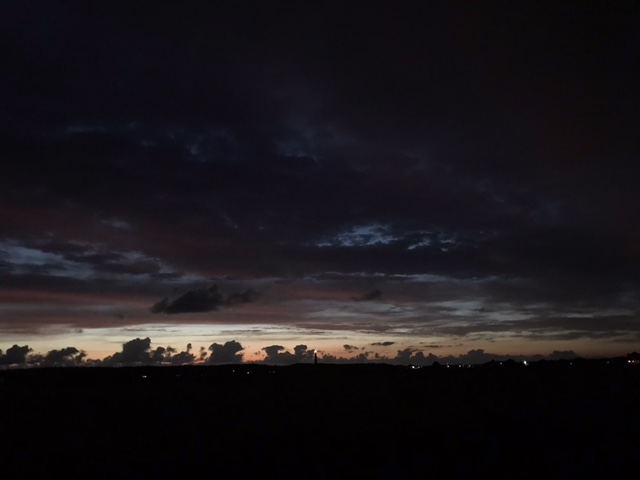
(557, 419)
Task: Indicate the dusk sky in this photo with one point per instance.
(380, 181)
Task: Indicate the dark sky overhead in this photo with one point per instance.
(407, 179)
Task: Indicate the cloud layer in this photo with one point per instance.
(458, 176)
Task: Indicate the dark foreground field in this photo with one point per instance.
(546, 420)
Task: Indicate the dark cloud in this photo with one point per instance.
(273, 350)
(230, 352)
(69, 356)
(203, 300)
(349, 348)
(158, 354)
(170, 356)
(412, 356)
(279, 355)
(134, 352)
(139, 352)
(383, 344)
(362, 357)
(161, 306)
(15, 355)
(182, 358)
(558, 355)
(202, 354)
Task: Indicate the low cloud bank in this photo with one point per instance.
(139, 351)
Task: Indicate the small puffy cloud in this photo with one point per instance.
(477, 356)
(405, 356)
(69, 356)
(158, 354)
(15, 355)
(383, 344)
(562, 355)
(171, 356)
(362, 357)
(203, 300)
(273, 350)
(279, 355)
(350, 348)
(182, 358)
(138, 352)
(227, 353)
(301, 351)
(134, 352)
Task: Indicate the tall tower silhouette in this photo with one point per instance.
(315, 357)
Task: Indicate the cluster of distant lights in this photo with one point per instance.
(418, 367)
(524, 362)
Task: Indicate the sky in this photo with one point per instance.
(393, 182)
